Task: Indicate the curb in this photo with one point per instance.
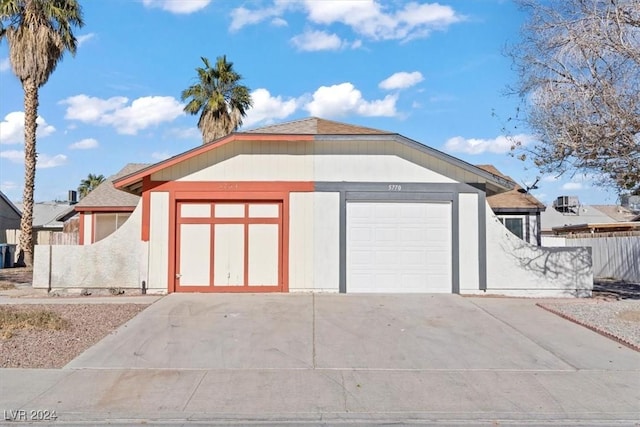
(592, 327)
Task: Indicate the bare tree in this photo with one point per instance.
(578, 64)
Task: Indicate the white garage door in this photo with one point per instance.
(399, 247)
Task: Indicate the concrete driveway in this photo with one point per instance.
(438, 359)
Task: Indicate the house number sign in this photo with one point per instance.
(395, 187)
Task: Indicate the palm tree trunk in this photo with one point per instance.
(30, 158)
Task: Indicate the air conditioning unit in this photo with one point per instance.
(567, 204)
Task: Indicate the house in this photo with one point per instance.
(518, 210)
(10, 217)
(105, 208)
(314, 206)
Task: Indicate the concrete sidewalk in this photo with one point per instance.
(331, 359)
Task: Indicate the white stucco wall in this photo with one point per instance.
(468, 245)
(314, 242)
(114, 262)
(517, 268)
(159, 241)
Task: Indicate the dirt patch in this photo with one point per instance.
(41, 347)
(12, 319)
(630, 316)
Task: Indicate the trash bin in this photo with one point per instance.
(10, 255)
(4, 248)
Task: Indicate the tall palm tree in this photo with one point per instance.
(38, 32)
(89, 184)
(219, 98)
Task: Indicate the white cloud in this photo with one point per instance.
(84, 144)
(12, 128)
(372, 19)
(128, 120)
(15, 156)
(7, 186)
(157, 155)
(5, 64)
(241, 16)
(342, 99)
(44, 161)
(85, 38)
(177, 6)
(183, 133)
(311, 41)
(573, 186)
(401, 80)
(500, 145)
(267, 108)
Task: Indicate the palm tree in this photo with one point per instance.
(89, 184)
(38, 33)
(219, 98)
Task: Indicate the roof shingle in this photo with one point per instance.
(317, 126)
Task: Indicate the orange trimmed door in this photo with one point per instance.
(229, 246)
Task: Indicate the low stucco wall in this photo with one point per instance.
(517, 268)
(118, 261)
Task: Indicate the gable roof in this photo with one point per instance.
(586, 214)
(9, 204)
(106, 195)
(317, 126)
(308, 130)
(619, 213)
(512, 200)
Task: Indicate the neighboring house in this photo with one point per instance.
(47, 229)
(518, 210)
(9, 217)
(105, 208)
(314, 206)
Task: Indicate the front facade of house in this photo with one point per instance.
(316, 206)
(294, 207)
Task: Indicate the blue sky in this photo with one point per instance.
(433, 72)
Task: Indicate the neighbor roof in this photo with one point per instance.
(619, 213)
(513, 200)
(10, 204)
(106, 195)
(317, 126)
(586, 214)
(308, 130)
(45, 214)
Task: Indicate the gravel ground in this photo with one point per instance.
(89, 323)
(619, 320)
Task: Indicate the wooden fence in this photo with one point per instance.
(41, 237)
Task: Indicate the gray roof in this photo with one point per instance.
(317, 126)
(586, 214)
(106, 195)
(45, 214)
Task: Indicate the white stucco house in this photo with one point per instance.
(318, 206)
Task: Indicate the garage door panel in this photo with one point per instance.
(228, 264)
(263, 254)
(195, 241)
(410, 250)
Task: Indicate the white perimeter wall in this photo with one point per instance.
(118, 261)
(468, 245)
(517, 268)
(314, 242)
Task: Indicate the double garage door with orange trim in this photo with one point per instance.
(229, 246)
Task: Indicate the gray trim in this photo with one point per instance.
(538, 229)
(482, 240)
(343, 243)
(455, 244)
(516, 211)
(354, 192)
(406, 187)
(527, 224)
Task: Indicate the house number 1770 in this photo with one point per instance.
(395, 187)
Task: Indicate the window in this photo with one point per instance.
(106, 223)
(514, 225)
